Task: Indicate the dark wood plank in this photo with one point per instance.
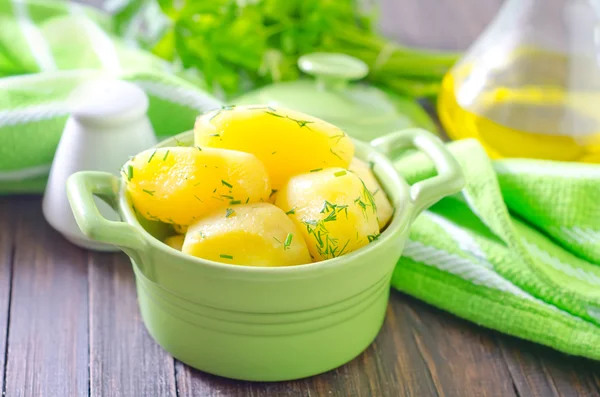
(124, 359)
(463, 359)
(48, 333)
(7, 220)
(424, 354)
(539, 372)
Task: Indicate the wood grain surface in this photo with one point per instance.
(70, 324)
(74, 329)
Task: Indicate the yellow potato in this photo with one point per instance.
(175, 241)
(248, 234)
(181, 184)
(384, 207)
(334, 210)
(180, 229)
(287, 142)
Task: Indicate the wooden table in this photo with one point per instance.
(70, 325)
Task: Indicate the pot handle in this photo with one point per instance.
(449, 178)
(81, 189)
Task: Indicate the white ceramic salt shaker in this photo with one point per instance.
(108, 124)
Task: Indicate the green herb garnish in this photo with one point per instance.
(166, 154)
(339, 173)
(150, 192)
(335, 154)
(248, 199)
(317, 170)
(224, 256)
(198, 198)
(339, 137)
(288, 241)
(234, 202)
(291, 212)
(275, 114)
(152, 156)
(129, 172)
(199, 148)
(373, 237)
(227, 196)
(273, 191)
(229, 212)
(225, 183)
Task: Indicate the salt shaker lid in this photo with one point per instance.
(107, 102)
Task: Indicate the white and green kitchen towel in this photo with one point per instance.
(49, 47)
(517, 251)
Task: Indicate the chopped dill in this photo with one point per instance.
(248, 199)
(276, 239)
(152, 155)
(339, 173)
(229, 212)
(291, 212)
(217, 198)
(317, 170)
(225, 183)
(234, 202)
(129, 172)
(335, 154)
(275, 114)
(198, 198)
(339, 137)
(373, 237)
(150, 192)
(224, 256)
(166, 155)
(288, 241)
(214, 191)
(227, 196)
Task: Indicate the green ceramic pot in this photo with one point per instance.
(258, 323)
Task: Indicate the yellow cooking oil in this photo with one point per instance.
(537, 119)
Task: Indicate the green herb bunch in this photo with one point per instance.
(234, 46)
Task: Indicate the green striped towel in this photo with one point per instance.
(518, 250)
(47, 49)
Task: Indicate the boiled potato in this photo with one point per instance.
(384, 208)
(178, 185)
(287, 142)
(248, 234)
(180, 229)
(175, 241)
(334, 210)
